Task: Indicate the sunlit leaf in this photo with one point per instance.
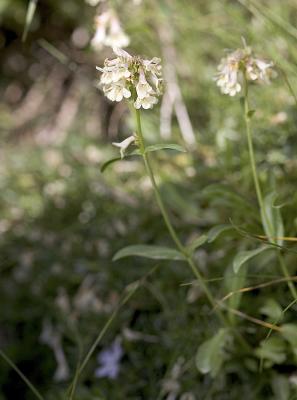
(243, 256)
(149, 251)
(210, 355)
(29, 18)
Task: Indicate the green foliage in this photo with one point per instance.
(61, 220)
(272, 219)
(244, 256)
(210, 355)
(149, 251)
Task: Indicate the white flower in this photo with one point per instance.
(116, 36)
(143, 88)
(109, 31)
(260, 70)
(124, 145)
(227, 77)
(146, 102)
(238, 64)
(117, 91)
(127, 76)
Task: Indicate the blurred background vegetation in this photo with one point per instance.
(61, 220)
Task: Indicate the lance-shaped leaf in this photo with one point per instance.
(210, 355)
(243, 256)
(149, 251)
(116, 159)
(165, 146)
(272, 219)
(197, 242)
(214, 232)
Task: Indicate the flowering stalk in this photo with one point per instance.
(174, 235)
(263, 211)
(234, 72)
(140, 81)
(166, 218)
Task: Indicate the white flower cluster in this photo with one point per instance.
(109, 31)
(127, 76)
(242, 61)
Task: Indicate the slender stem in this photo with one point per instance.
(174, 235)
(253, 162)
(286, 274)
(264, 215)
(288, 83)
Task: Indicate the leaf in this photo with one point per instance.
(251, 113)
(175, 199)
(149, 251)
(281, 387)
(272, 309)
(273, 350)
(210, 354)
(109, 162)
(199, 241)
(233, 283)
(29, 17)
(272, 219)
(289, 332)
(223, 195)
(165, 146)
(214, 232)
(115, 159)
(243, 256)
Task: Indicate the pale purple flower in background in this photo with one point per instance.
(109, 360)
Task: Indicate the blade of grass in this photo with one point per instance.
(260, 286)
(21, 375)
(132, 288)
(53, 51)
(250, 318)
(29, 18)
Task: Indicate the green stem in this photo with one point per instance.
(263, 211)
(174, 235)
(22, 376)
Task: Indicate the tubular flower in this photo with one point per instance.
(238, 64)
(109, 31)
(127, 76)
(123, 146)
